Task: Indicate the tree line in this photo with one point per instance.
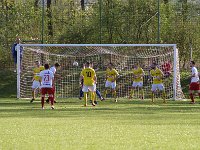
(105, 21)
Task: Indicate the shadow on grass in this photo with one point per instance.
(123, 110)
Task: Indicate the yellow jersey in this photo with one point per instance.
(36, 72)
(111, 74)
(88, 76)
(156, 73)
(138, 72)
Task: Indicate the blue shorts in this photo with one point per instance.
(15, 59)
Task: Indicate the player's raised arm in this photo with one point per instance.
(106, 74)
(53, 79)
(143, 73)
(150, 75)
(80, 79)
(95, 79)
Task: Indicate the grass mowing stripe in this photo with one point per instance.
(110, 125)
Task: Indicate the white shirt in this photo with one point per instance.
(196, 75)
(47, 78)
(53, 69)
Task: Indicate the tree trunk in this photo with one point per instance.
(49, 15)
(83, 4)
(184, 64)
(166, 1)
(36, 3)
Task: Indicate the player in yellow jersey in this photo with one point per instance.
(111, 77)
(138, 75)
(36, 79)
(157, 76)
(89, 78)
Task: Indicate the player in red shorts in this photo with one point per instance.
(194, 85)
(166, 68)
(56, 76)
(47, 79)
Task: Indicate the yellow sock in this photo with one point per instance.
(95, 96)
(85, 98)
(132, 93)
(115, 94)
(152, 97)
(164, 96)
(138, 92)
(33, 94)
(92, 97)
(105, 93)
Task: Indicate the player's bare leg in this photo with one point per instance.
(53, 96)
(85, 98)
(93, 97)
(141, 93)
(52, 101)
(138, 91)
(105, 93)
(164, 96)
(42, 101)
(191, 97)
(132, 93)
(152, 96)
(114, 93)
(54, 92)
(33, 95)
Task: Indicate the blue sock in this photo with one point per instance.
(98, 94)
(81, 93)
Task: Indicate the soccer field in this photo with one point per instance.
(123, 125)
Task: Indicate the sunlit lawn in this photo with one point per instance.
(124, 125)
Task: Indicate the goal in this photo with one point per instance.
(123, 56)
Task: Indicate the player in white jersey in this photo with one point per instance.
(194, 85)
(47, 81)
(54, 69)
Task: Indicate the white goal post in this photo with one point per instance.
(123, 56)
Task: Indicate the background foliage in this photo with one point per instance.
(105, 21)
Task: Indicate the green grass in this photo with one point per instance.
(123, 125)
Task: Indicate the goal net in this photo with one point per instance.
(123, 56)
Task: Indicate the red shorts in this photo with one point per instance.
(54, 89)
(194, 86)
(46, 91)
